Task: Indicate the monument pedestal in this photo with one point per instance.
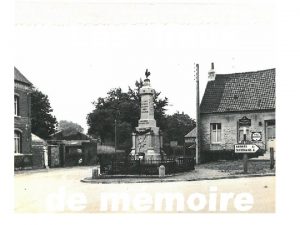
(147, 142)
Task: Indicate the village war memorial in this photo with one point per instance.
(147, 139)
(147, 156)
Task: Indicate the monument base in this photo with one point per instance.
(147, 144)
(149, 154)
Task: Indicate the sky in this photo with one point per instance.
(76, 51)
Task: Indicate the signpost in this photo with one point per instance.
(272, 160)
(197, 116)
(245, 148)
(245, 122)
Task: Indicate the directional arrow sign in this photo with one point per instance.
(245, 148)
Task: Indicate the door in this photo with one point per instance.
(270, 134)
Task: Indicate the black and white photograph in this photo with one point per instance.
(147, 108)
(144, 111)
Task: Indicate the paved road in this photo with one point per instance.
(35, 191)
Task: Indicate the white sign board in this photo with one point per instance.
(245, 148)
(256, 136)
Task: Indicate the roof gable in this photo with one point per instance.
(20, 77)
(37, 140)
(69, 135)
(240, 92)
(192, 133)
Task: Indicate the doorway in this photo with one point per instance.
(270, 134)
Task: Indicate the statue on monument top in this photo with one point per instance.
(147, 73)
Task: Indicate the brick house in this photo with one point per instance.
(22, 121)
(227, 99)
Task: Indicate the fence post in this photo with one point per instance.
(245, 160)
(162, 171)
(94, 173)
(112, 166)
(139, 166)
(272, 158)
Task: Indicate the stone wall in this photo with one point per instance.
(38, 156)
(229, 128)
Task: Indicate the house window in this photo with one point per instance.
(18, 142)
(16, 105)
(215, 132)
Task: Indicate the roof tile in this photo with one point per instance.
(240, 92)
(20, 77)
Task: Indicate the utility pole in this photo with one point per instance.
(245, 156)
(197, 116)
(117, 112)
(115, 135)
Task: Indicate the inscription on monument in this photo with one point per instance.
(145, 106)
(144, 121)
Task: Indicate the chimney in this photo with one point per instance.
(212, 73)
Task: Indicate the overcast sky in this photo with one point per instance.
(75, 51)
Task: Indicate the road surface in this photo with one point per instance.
(60, 190)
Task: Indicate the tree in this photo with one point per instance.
(124, 109)
(68, 127)
(43, 123)
(177, 126)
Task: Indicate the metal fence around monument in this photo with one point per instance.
(149, 166)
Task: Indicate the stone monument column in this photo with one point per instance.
(147, 136)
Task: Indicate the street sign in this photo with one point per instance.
(245, 148)
(256, 136)
(244, 122)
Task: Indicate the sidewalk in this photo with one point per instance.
(34, 171)
(209, 171)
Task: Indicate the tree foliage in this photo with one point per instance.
(177, 126)
(69, 127)
(43, 123)
(124, 109)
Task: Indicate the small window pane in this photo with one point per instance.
(271, 132)
(219, 136)
(16, 106)
(271, 123)
(213, 136)
(215, 132)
